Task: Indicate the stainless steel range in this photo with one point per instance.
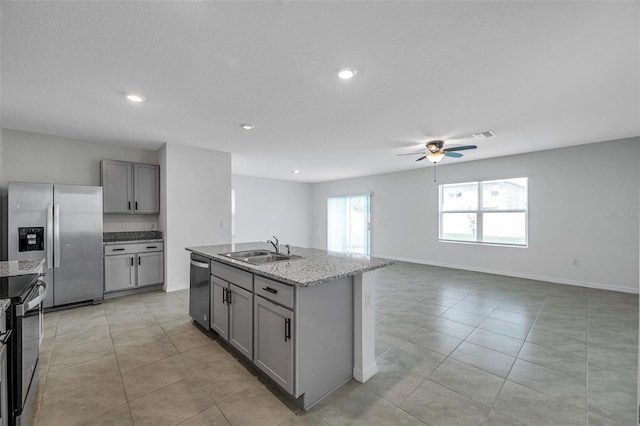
(24, 319)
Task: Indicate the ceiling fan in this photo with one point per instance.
(436, 151)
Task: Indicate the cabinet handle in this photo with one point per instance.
(139, 260)
(229, 296)
(150, 247)
(132, 261)
(287, 329)
(224, 296)
(119, 249)
(129, 203)
(270, 290)
(136, 205)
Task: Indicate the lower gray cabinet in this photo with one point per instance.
(128, 266)
(119, 272)
(219, 307)
(232, 315)
(241, 320)
(273, 339)
(150, 268)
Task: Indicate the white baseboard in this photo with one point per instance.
(555, 280)
(363, 376)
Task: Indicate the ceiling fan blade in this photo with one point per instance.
(411, 153)
(452, 154)
(460, 148)
(421, 158)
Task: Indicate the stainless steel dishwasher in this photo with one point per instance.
(199, 290)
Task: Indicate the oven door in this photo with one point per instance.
(4, 403)
(28, 318)
(4, 388)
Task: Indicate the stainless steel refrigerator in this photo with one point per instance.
(63, 225)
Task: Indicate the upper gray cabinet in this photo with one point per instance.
(146, 188)
(117, 186)
(130, 188)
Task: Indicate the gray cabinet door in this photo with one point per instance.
(119, 272)
(273, 344)
(150, 268)
(241, 320)
(219, 307)
(117, 186)
(146, 178)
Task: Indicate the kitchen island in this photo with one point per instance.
(308, 323)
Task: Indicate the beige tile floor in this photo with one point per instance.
(454, 348)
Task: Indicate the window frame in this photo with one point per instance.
(480, 211)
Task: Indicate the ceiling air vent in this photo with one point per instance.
(484, 135)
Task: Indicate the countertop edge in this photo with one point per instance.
(12, 268)
(154, 240)
(249, 268)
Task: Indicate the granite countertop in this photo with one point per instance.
(20, 267)
(110, 238)
(316, 266)
(4, 305)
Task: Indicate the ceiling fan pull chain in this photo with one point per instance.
(434, 172)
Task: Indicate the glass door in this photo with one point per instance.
(348, 224)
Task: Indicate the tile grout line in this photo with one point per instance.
(124, 388)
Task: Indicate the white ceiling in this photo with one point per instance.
(539, 74)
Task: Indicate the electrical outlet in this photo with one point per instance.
(125, 225)
(576, 262)
(367, 300)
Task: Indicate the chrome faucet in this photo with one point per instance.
(275, 245)
(288, 249)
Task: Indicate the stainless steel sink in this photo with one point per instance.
(269, 258)
(260, 257)
(252, 253)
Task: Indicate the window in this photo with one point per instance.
(492, 211)
(348, 229)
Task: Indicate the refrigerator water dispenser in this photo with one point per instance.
(31, 239)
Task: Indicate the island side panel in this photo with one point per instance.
(324, 334)
(364, 296)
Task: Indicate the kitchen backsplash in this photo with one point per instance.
(127, 223)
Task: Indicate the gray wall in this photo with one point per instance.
(196, 208)
(36, 157)
(266, 207)
(583, 204)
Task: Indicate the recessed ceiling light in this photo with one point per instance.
(346, 73)
(135, 98)
(248, 126)
(484, 135)
(295, 172)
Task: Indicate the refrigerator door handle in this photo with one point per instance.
(49, 236)
(56, 235)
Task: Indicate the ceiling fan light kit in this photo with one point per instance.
(435, 157)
